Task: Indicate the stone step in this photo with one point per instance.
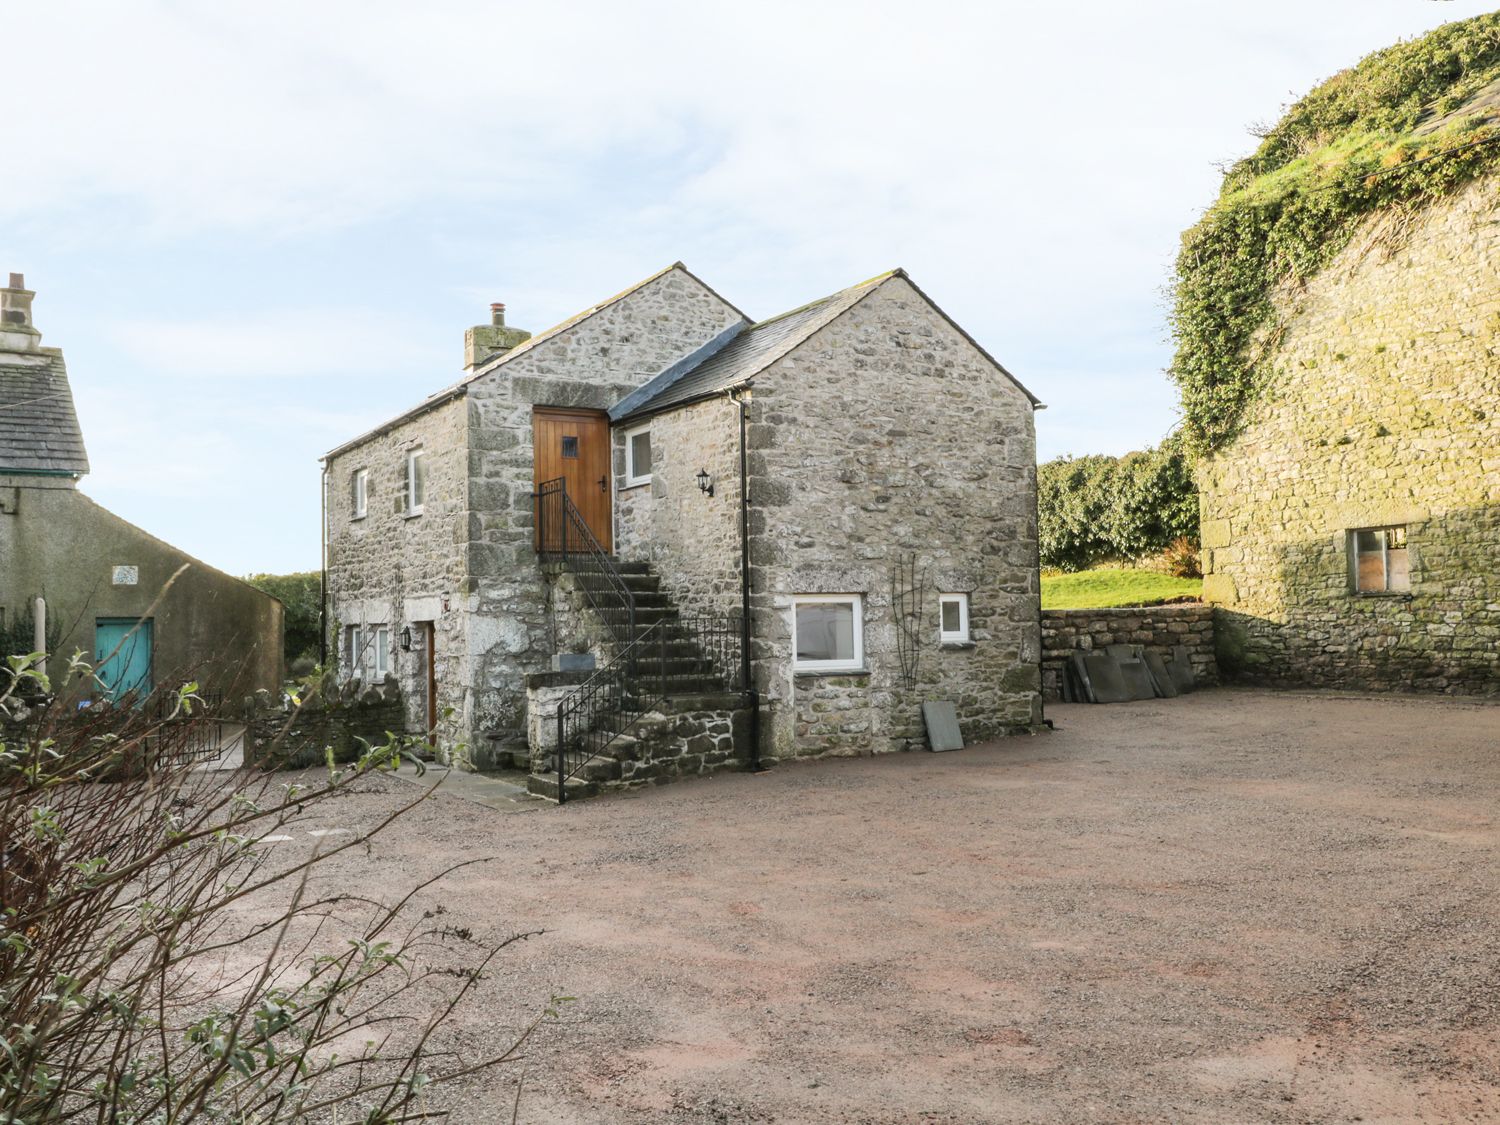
(545, 785)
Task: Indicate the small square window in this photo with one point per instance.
(953, 628)
(637, 457)
(828, 633)
(416, 481)
(359, 493)
(367, 651)
(570, 448)
(1378, 560)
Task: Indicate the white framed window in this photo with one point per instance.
(359, 493)
(637, 457)
(953, 619)
(354, 643)
(1378, 562)
(828, 633)
(416, 481)
(367, 651)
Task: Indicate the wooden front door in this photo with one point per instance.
(429, 631)
(574, 445)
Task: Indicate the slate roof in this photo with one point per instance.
(750, 349)
(732, 362)
(39, 430)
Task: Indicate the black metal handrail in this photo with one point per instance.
(678, 656)
(563, 537)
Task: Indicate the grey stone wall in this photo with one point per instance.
(888, 434)
(691, 540)
(341, 719)
(592, 363)
(1381, 409)
(1160, 627)
(396, 568)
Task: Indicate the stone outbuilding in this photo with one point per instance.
(793, 532)
(146, 614)
(1351, 532)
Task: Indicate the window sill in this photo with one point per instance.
(827, 673)
(358, 519)
(956, 646)
(632, 485)
(1398, 595)
(413, 515)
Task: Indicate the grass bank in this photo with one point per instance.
(1104, 588)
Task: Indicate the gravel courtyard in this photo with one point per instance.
(1235, 906)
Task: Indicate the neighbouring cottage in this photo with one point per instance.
(857, 473)
(106, 588)
(1351, 521)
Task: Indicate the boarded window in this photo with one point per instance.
(1381, 564)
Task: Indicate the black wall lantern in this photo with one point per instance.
(406, 638)
(705, 482)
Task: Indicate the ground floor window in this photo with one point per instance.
(367, 651)
(828, 632)
(953, 627)
(1378, 560)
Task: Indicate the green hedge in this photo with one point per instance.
(1097, 508)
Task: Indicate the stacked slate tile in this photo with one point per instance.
(1126, 673)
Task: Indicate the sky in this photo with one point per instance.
(259, 229)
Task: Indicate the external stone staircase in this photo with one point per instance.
(674, 717)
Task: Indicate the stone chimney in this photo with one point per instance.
(17, 333)
(485, 342)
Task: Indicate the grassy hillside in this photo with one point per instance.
(1105, 588)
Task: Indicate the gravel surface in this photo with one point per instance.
(1235, 906)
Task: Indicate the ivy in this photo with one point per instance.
(1402, 129)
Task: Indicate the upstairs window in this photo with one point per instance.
(953, 623)
(637, 456)
(416, 481)
(359, 493)
(828, 633)
(1378, 560)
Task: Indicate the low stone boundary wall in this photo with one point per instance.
(338, 719)
(1159, 626)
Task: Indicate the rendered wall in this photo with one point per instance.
(1384, 408)
(207, 626)
(888, 435)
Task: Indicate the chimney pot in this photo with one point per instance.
(18, 281)
(497, 314)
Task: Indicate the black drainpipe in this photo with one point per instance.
(323, 571)
(751, 694)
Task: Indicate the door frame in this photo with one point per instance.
(606, 533)
(139, 628)
(430, 645)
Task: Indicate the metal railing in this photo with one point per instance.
(563, 538)
(687, 655)
(196, 735)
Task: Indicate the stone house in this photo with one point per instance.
(146, 614)
(808, 524)
(1351, 533)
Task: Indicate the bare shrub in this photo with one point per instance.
(136, 986)
(1180, 558)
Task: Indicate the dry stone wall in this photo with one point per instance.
(1162, 628)
(888, 435)
(1381, 410)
